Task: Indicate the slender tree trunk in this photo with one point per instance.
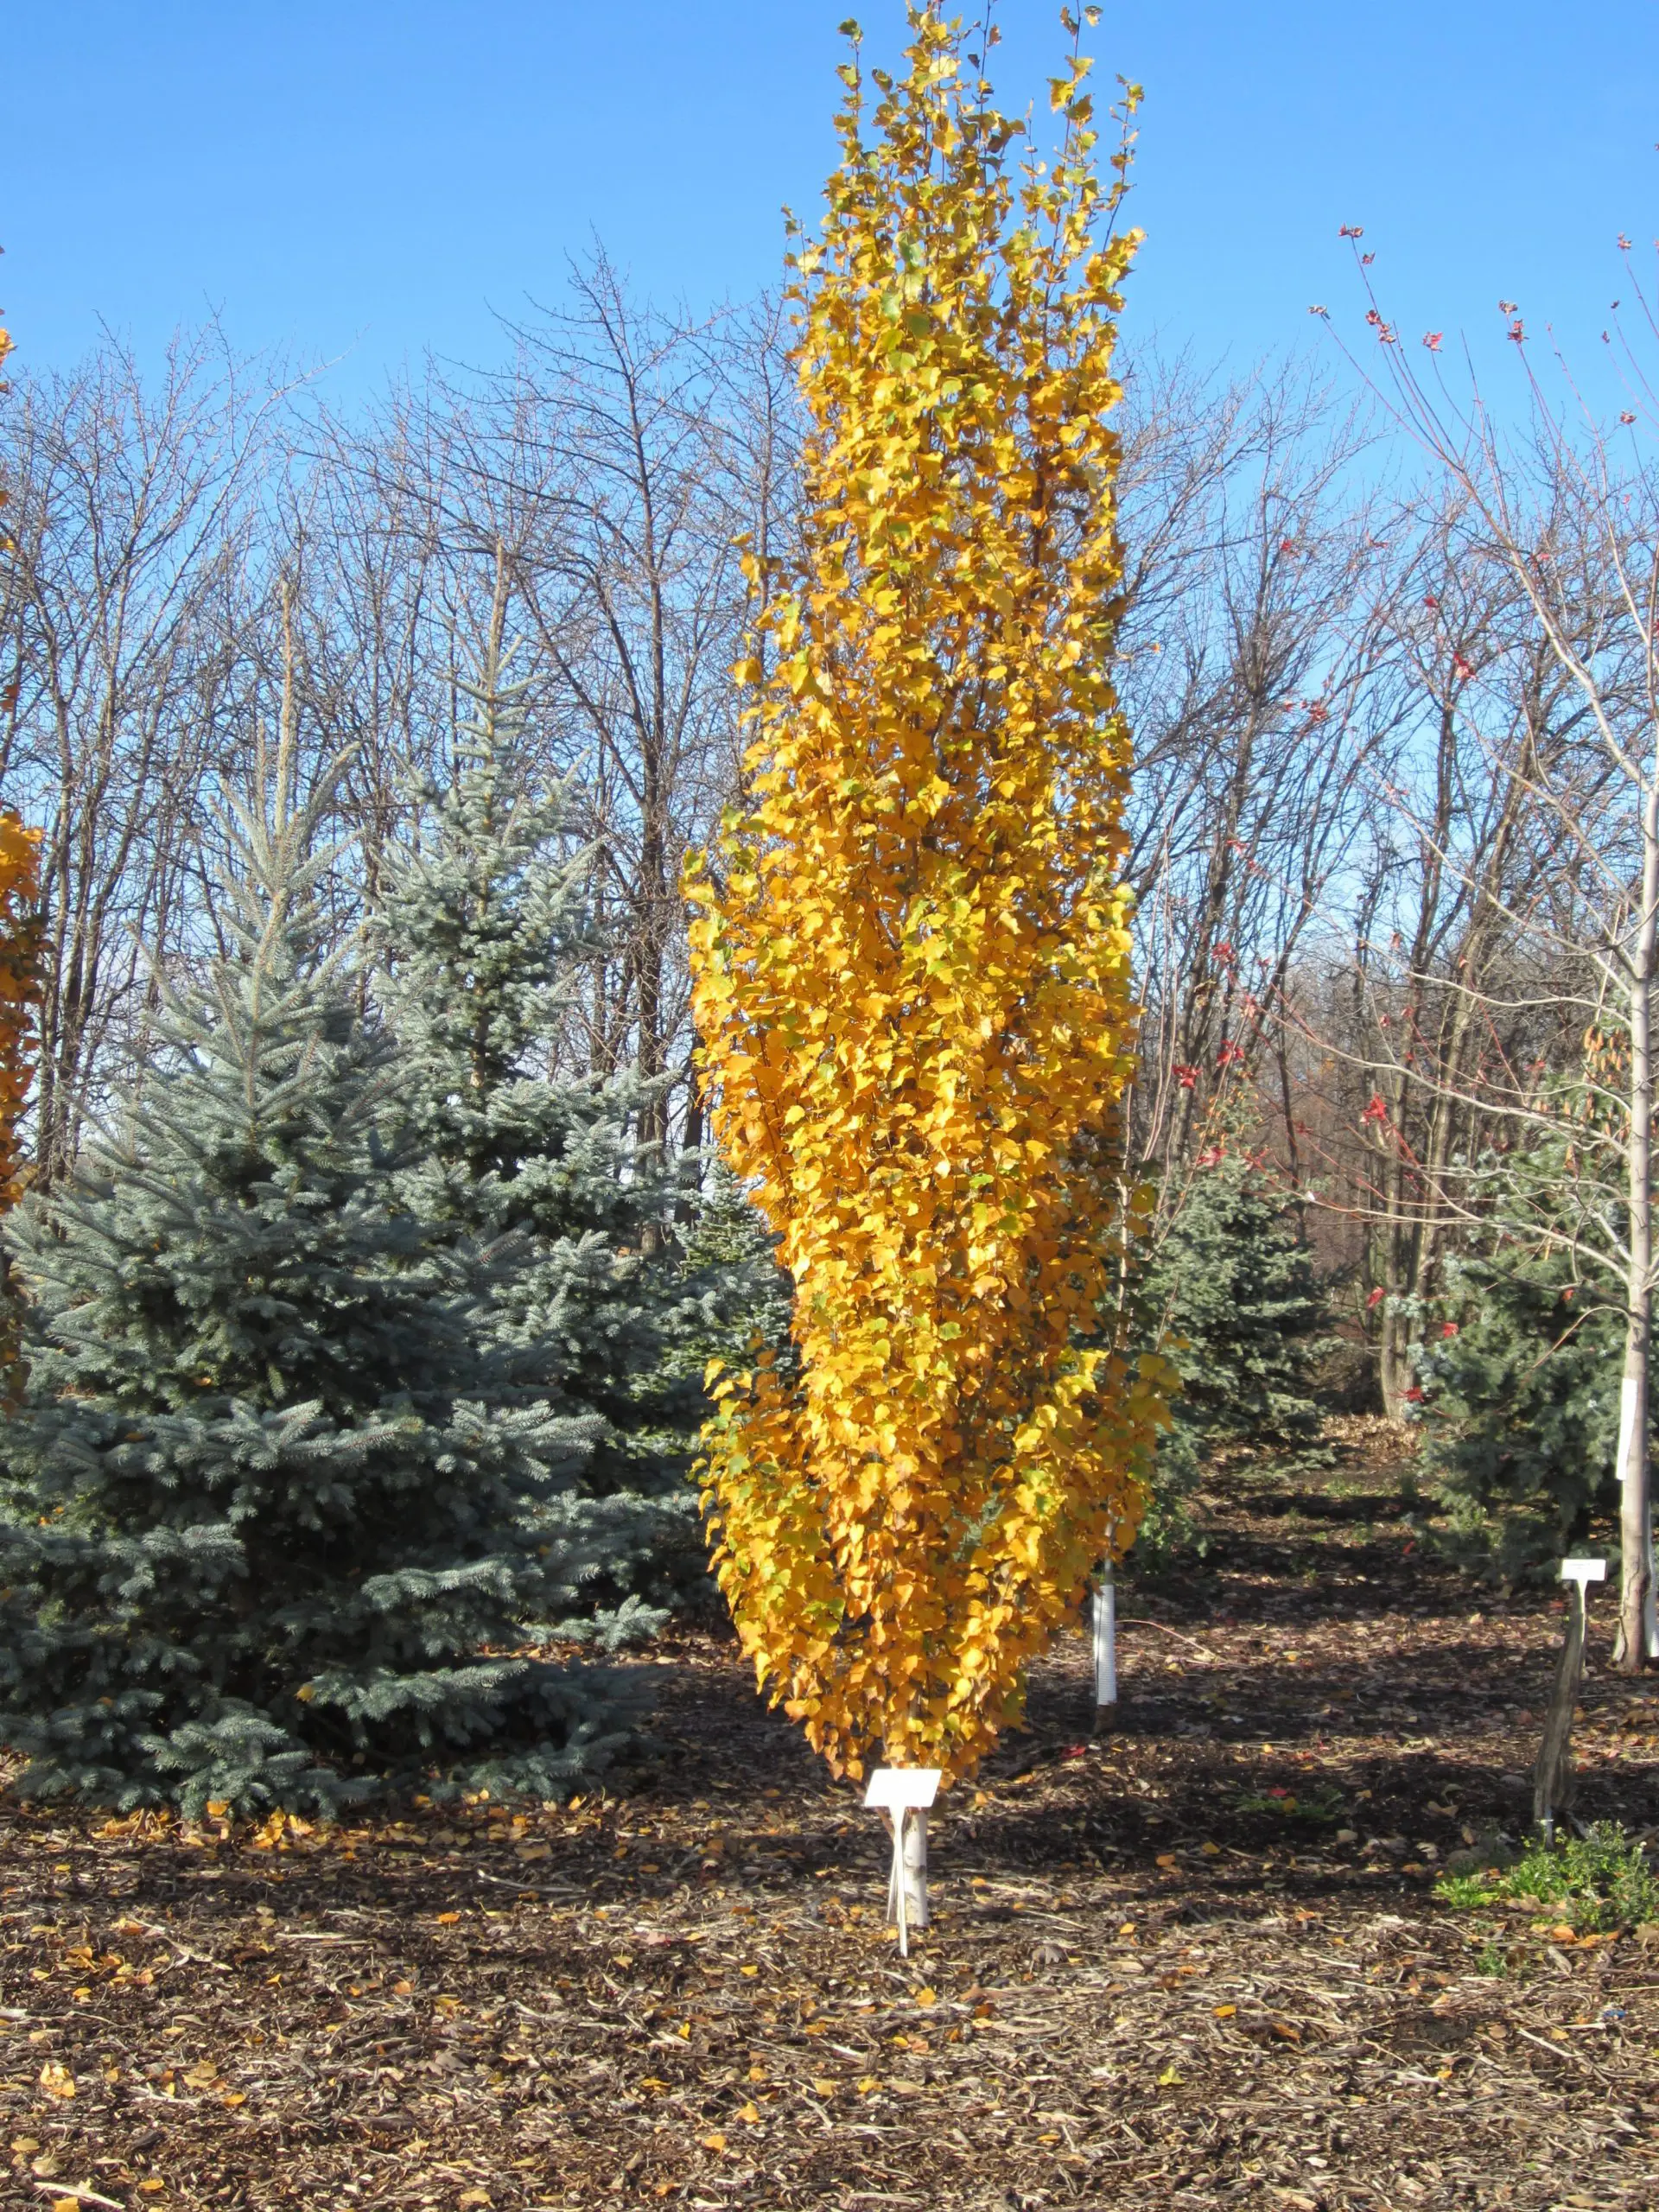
(1637, 1639)
(1396, 1325)
(686, 1206)
(1395, 1373)
(909, 1873)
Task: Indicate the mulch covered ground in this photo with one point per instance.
(1195, 1962)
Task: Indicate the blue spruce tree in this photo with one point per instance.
(1520, 1368)
(291, 1478)
(1521, 1407)
(486, 930)
(1231, 1297)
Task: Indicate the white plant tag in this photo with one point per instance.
(905, 1793)
(904, 1789)
(1584, 1570)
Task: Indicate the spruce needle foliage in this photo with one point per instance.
(1519, 1369)
(274, 1512)
(485, 929)
(912, 959)
(1232, 1296)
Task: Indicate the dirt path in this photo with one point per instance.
(1196, 1962)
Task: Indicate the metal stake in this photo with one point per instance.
(1552, 1777)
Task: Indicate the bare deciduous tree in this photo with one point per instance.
(123, 599)
(1566, 875)
(1256, 663)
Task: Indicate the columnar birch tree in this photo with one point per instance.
(911, 966)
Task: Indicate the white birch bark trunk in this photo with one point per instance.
(915, 1870)
(1638, 1633)
(907, 1885)
(1105, 1643)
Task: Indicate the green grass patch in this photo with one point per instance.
(1321, 1804)
(1599, 1880)
(1494, 1962)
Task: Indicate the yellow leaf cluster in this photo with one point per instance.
(20, 989)
(20, 972)
(911, 952)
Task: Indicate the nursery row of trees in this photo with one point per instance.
(354, 1352)
(1346, 867)
(369, 1163)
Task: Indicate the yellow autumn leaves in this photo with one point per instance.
(910, 956)
(19, 961)
(19, 987)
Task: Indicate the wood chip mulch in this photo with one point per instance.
(1195, 1962)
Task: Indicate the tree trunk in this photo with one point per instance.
(1105, 1644)
(1395, 1371)
(689, 1201)
(1637, 1639)
(907, 1884)
(1395, 1374)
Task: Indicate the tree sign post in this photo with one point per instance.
(1552, 1779)
(903, 1793)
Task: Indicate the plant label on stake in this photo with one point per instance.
(1552, 1777)
(904, 1794)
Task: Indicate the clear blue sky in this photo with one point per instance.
(373, 178)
